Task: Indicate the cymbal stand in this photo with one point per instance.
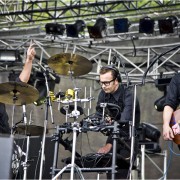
(115, 133)
(48, 104)
(66, 107)
(25, 163)
(14, 102)
(75, 127)
(133, 134)
(75, 113)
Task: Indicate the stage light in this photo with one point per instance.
(146, 25)
(174, 19)
(73, 30)
(151, 132)
(54, 28)
(121, 25)
(9, 55)
(98, 30)
(166, 26)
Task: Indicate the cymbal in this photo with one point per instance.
(32, 130)
(67, 63)
(17, 93)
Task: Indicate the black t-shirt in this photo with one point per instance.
(4, 125)
(173, 92)
(124, 98)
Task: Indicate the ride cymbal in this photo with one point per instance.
(18, 93)
(67, 63)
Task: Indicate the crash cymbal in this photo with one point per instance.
(32, 130)
(65, 63)
(17, 93)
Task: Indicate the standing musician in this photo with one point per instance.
(23, 77)
(171, 104)
(114, 92)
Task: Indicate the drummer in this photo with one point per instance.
(23, 77)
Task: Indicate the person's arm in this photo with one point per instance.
(26, 72)
(105, 149)
(167, 131)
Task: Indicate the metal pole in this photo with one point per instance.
(26, 160)
(165, 164)
(73, 151)
(142, 162)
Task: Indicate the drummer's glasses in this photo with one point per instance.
(106, 83)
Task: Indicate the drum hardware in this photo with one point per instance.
(73, 111)
(75, 129)
(115, 133)
(48, 105)
(71, 65)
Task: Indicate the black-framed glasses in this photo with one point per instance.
(106, 83)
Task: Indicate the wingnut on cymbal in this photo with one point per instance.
(67, 63)
(17, 93)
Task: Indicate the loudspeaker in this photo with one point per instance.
(6, 148)
(34, 157)
(115, 70)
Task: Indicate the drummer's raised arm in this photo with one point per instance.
(26, 72)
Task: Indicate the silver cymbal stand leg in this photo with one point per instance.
(25, 164)
(14, 103)
(12, 119)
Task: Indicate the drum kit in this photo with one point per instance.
(21, 94)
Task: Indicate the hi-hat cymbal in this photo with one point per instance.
(31, 130)
(18, 93)
(67, 63)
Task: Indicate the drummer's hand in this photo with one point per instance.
(105, 149)
(30, 53)
(167, 132)
(176, 129)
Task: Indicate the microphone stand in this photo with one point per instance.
(75, 127)
(115, 133)
(132, 132)
(27, 144)
(48, 104)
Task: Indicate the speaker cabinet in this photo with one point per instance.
(6, 148)
(34, 157)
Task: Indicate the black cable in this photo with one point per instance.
(162, 54)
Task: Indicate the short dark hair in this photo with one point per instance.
(114, 71)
